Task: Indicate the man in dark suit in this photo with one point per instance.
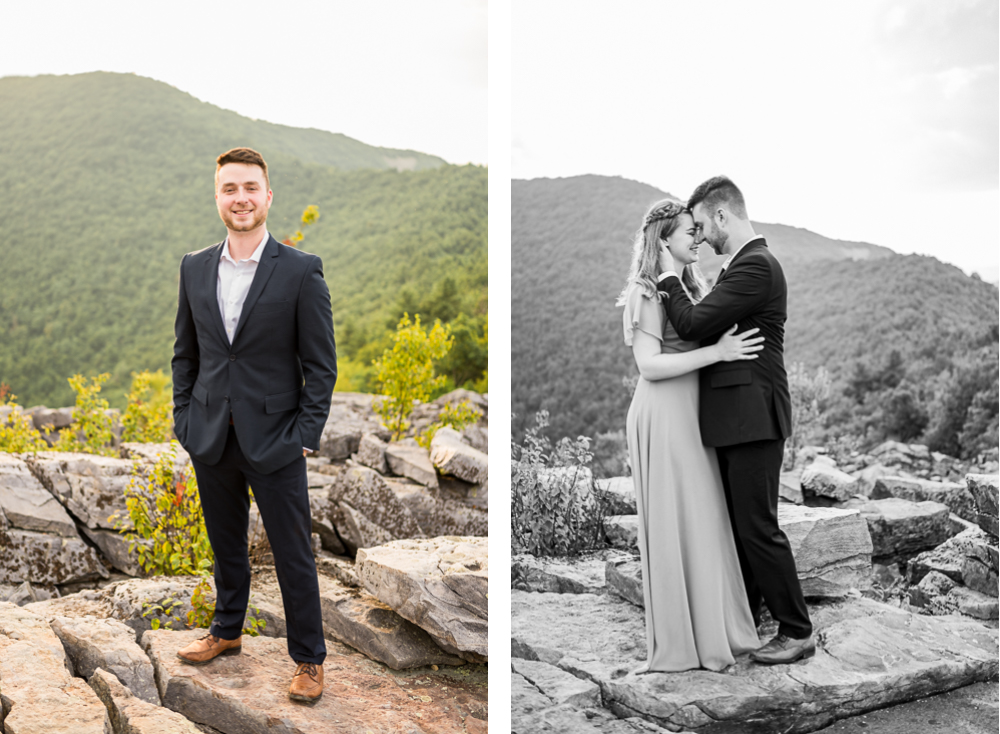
(745, 408)
(254, 368)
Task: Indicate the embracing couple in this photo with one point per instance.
(706, 432)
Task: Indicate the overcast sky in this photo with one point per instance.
(871, 120)
(392, 73)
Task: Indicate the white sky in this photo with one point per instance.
(393, 73)
(870, 120)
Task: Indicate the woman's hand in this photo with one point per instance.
(732, 346)
(667, 260)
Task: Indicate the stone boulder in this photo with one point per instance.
(358, 619)
(618, 494)
(955, 496)
(367, 512)
(351, 416)
(984, 489)
(869, 655)
(822, 480)
(624, 578)
(133, 715)
(39, 692)
(407, 458)
(790, 487)
(453, 456)
(46, 559)
(436, 515)
(868, 476)
(900, 528)
(324, 520)
(247, 693)
(439, 584)
(622, 531)
(92, 643)
(26, 505)
(581, 575)
(371, 453)
(558, 686)
(832, 548)
(91, 487)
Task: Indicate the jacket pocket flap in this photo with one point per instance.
(199, 393)
(270, 307)
(731, 378)
(282, 401)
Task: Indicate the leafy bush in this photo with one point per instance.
(148, 418)
(167, 524)
(405, 373)
(809, 393)
(455, 415)
(555, 508)
(17, 430)
(91, 420)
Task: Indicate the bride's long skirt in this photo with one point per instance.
(697, 615)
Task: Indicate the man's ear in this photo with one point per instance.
(721, 216)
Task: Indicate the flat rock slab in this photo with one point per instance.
(358, 619)
(92, 643)
(985, 489)
(351, 416)
(411, 460)
(453, 456)
(557, 685)
(134, 715)
(91, 487)
(248, 693)
(900, 528)
(39, 692)
(869, 655)
(949, 558)
(625, 579)
(46, 559)
(439, 584)
(955, 496)
(27, 505)
(820, 479)
(832, 548)
(583, 575)
(436, 515)
(371, 453)
(368, 513)
(115, 548)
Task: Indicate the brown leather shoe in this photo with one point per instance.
(307, 683)
(784, 649)
(205, 649)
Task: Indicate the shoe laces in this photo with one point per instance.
(306, 669)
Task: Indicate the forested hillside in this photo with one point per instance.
(896, 333)
(107, 180)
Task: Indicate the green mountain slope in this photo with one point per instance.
(848, 302)
(107, 180)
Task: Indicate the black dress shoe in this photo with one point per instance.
(784, 649)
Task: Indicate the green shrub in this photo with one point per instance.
(555, 506)
(405, 373)
(455, 415)
(148, 416)
(90, 419)
(18, 432)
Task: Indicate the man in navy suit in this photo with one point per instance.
(254, 368)
(745, 408)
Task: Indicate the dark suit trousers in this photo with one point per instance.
(283, 500)
(751, 473)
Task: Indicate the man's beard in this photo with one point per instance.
(717, 238)
(259, 217)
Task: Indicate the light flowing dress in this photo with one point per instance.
(697, 615)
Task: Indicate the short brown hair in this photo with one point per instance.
(717, 190)
(248, 156)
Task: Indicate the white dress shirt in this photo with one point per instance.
(234, 283)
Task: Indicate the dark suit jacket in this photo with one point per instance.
(277, 377)
(746, 400)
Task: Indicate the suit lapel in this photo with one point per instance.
(756, 242)
(268, 260)
(210, 287)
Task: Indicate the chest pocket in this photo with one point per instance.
(268, 308)
(731, 378)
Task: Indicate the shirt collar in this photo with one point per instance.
(730, 258)
(256, 253)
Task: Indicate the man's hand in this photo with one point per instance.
(305, 452)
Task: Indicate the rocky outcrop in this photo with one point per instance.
(439, 584)
(26, 505)
(984, 489)
(46, 559)
(453, 456)
(437, 515)
(367, 513)
(832, 548)
(822, 480)
(618, 494)
(583, 575)
(133, 715)
(351, 416)
(39, 692)
(869, 655)
(91, 487)
(956, 496)
(408, 459)
(900, 528)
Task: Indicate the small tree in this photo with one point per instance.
(809, 393)
(309, 216)
(147, 418)
(90, 419)
(17, 431)
(405, 373)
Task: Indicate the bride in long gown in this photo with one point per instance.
(697, 614)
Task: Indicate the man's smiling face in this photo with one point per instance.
(242, 196)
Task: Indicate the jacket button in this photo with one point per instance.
(232, 357)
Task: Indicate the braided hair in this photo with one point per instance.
(659, 223)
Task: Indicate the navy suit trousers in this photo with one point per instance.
(283, 499)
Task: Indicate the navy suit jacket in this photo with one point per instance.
(277, 377)
(745, 400)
